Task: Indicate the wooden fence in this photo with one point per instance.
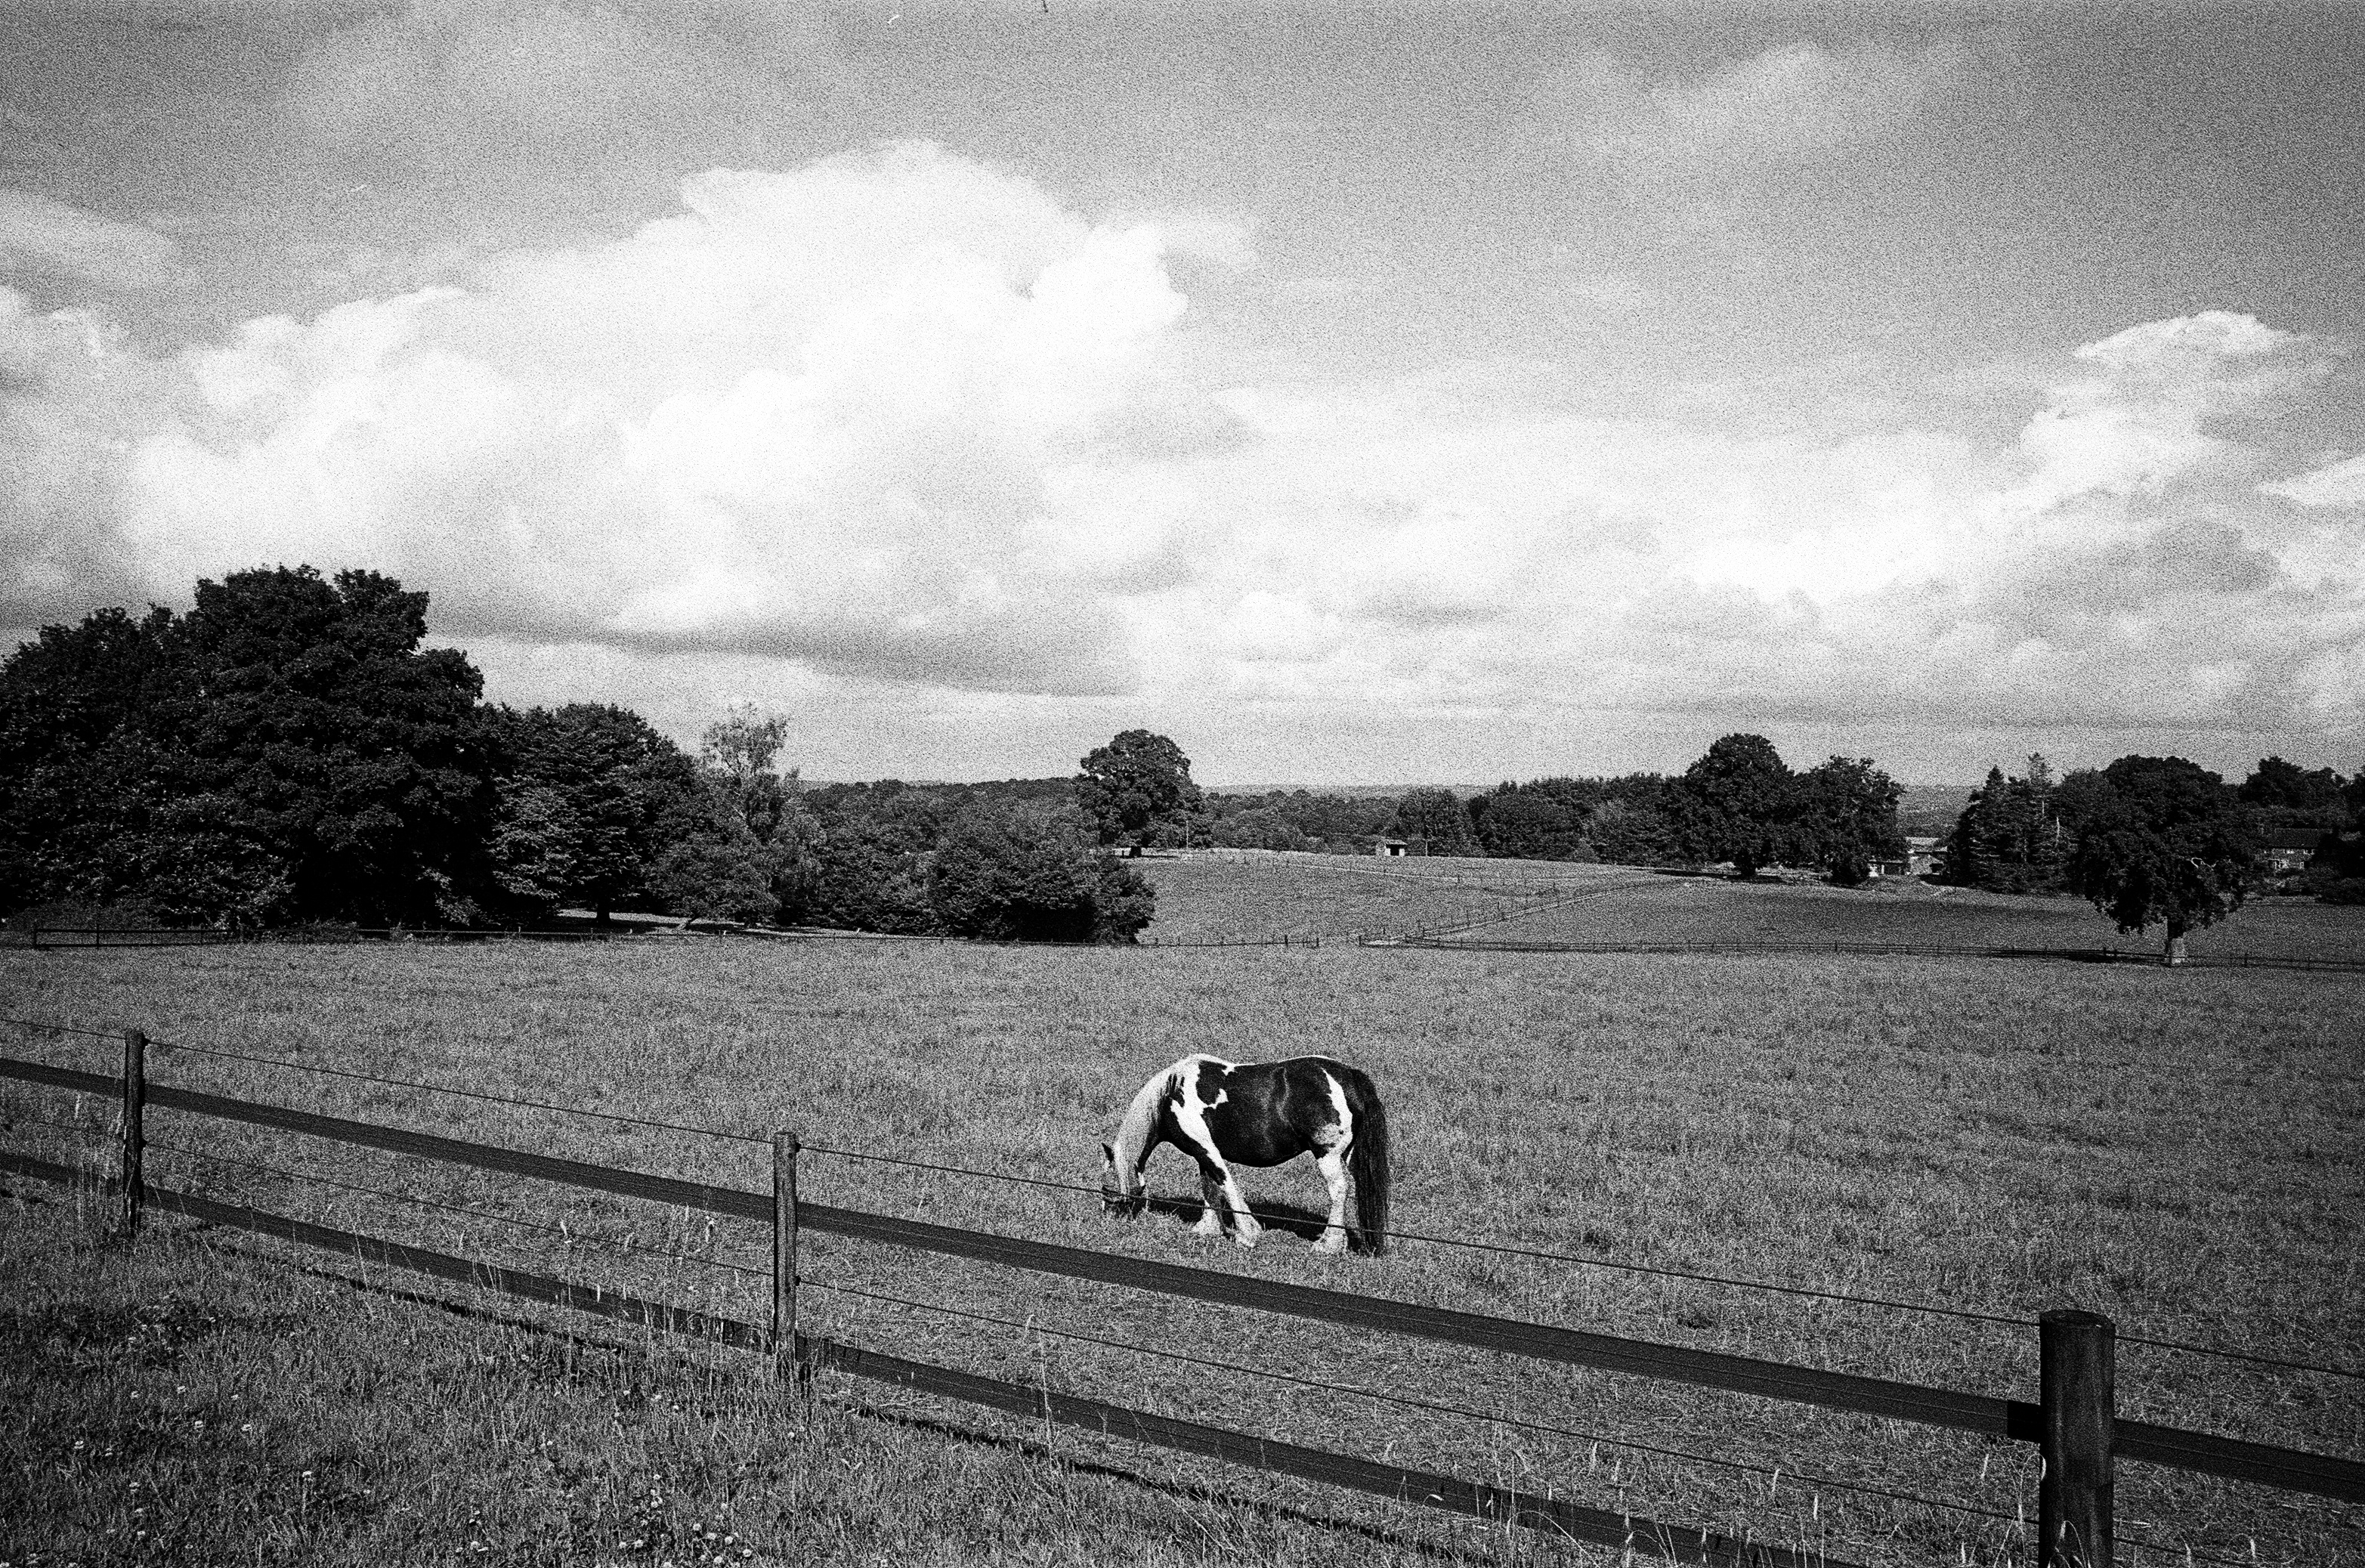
(2073, 1421)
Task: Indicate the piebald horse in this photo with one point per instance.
(1223, 1114)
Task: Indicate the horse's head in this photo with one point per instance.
(1122, 1192)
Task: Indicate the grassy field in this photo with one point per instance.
(2179, 1149)
(1709, 909)
(190, 1404)
(1338, 895)
(1551, 902)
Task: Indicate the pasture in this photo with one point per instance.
(1531, 900)
(2181, 1150)
(1336, 895)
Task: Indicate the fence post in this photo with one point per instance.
(2076, 1354)
(785, 1364)
(134, 1140)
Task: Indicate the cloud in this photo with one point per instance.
(559, 80)
(2335, 485)
(42, 237)
(819, 414)
(2140, 417)
(902, 417)
(1788, 105)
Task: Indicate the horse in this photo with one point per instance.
(1222, 1113)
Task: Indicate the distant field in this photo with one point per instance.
(1337, 895)
(1527, 900)
(2181, 1150)
(1702, 909)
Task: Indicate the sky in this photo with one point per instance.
(1378, 393)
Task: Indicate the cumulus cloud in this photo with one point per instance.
(2141, 416)
(819, 414)
(905, 417)
(39, 236)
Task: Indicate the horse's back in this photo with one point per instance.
(1265, 1113)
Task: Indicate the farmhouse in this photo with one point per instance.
(1922, 858)
(2287, 850)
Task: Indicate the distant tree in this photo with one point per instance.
(1845, 817)
(1439, 816)
(1025, 873)
(1258, 827)
(2282, 801)
(1631, 830)
(1736, 804)
(739, 755)
(2284, 785)
(739, 751)
(1529, 823)
(1136, 792)
(2160, 842)
(711, 866)
(614, 796)
(2012, 836)
(867, 878)
(1123, 900)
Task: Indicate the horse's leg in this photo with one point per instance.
(1333, 1163)
(1245, 1228)
(1211, 1197)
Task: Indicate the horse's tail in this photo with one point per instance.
(1367, 1159)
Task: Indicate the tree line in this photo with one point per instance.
(2032, 833)
(287, 752)
(1739, 803)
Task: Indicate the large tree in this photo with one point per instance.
(1025, 873)
(593, 799)
(1136, 792)
(739, 756)
(1737, 803)
(285, 750)
(2160, 842)
(1844, 817)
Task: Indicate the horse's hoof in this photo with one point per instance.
(1249, 1238)
(1329, 1247)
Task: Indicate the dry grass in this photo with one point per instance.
(2178, 1150)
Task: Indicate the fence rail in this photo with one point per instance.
(2233, 1459)
(1448, 1494)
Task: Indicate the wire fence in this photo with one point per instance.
(563, 1234)
(1282, 1216)
(1219, 1287)
(1406, 1402)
